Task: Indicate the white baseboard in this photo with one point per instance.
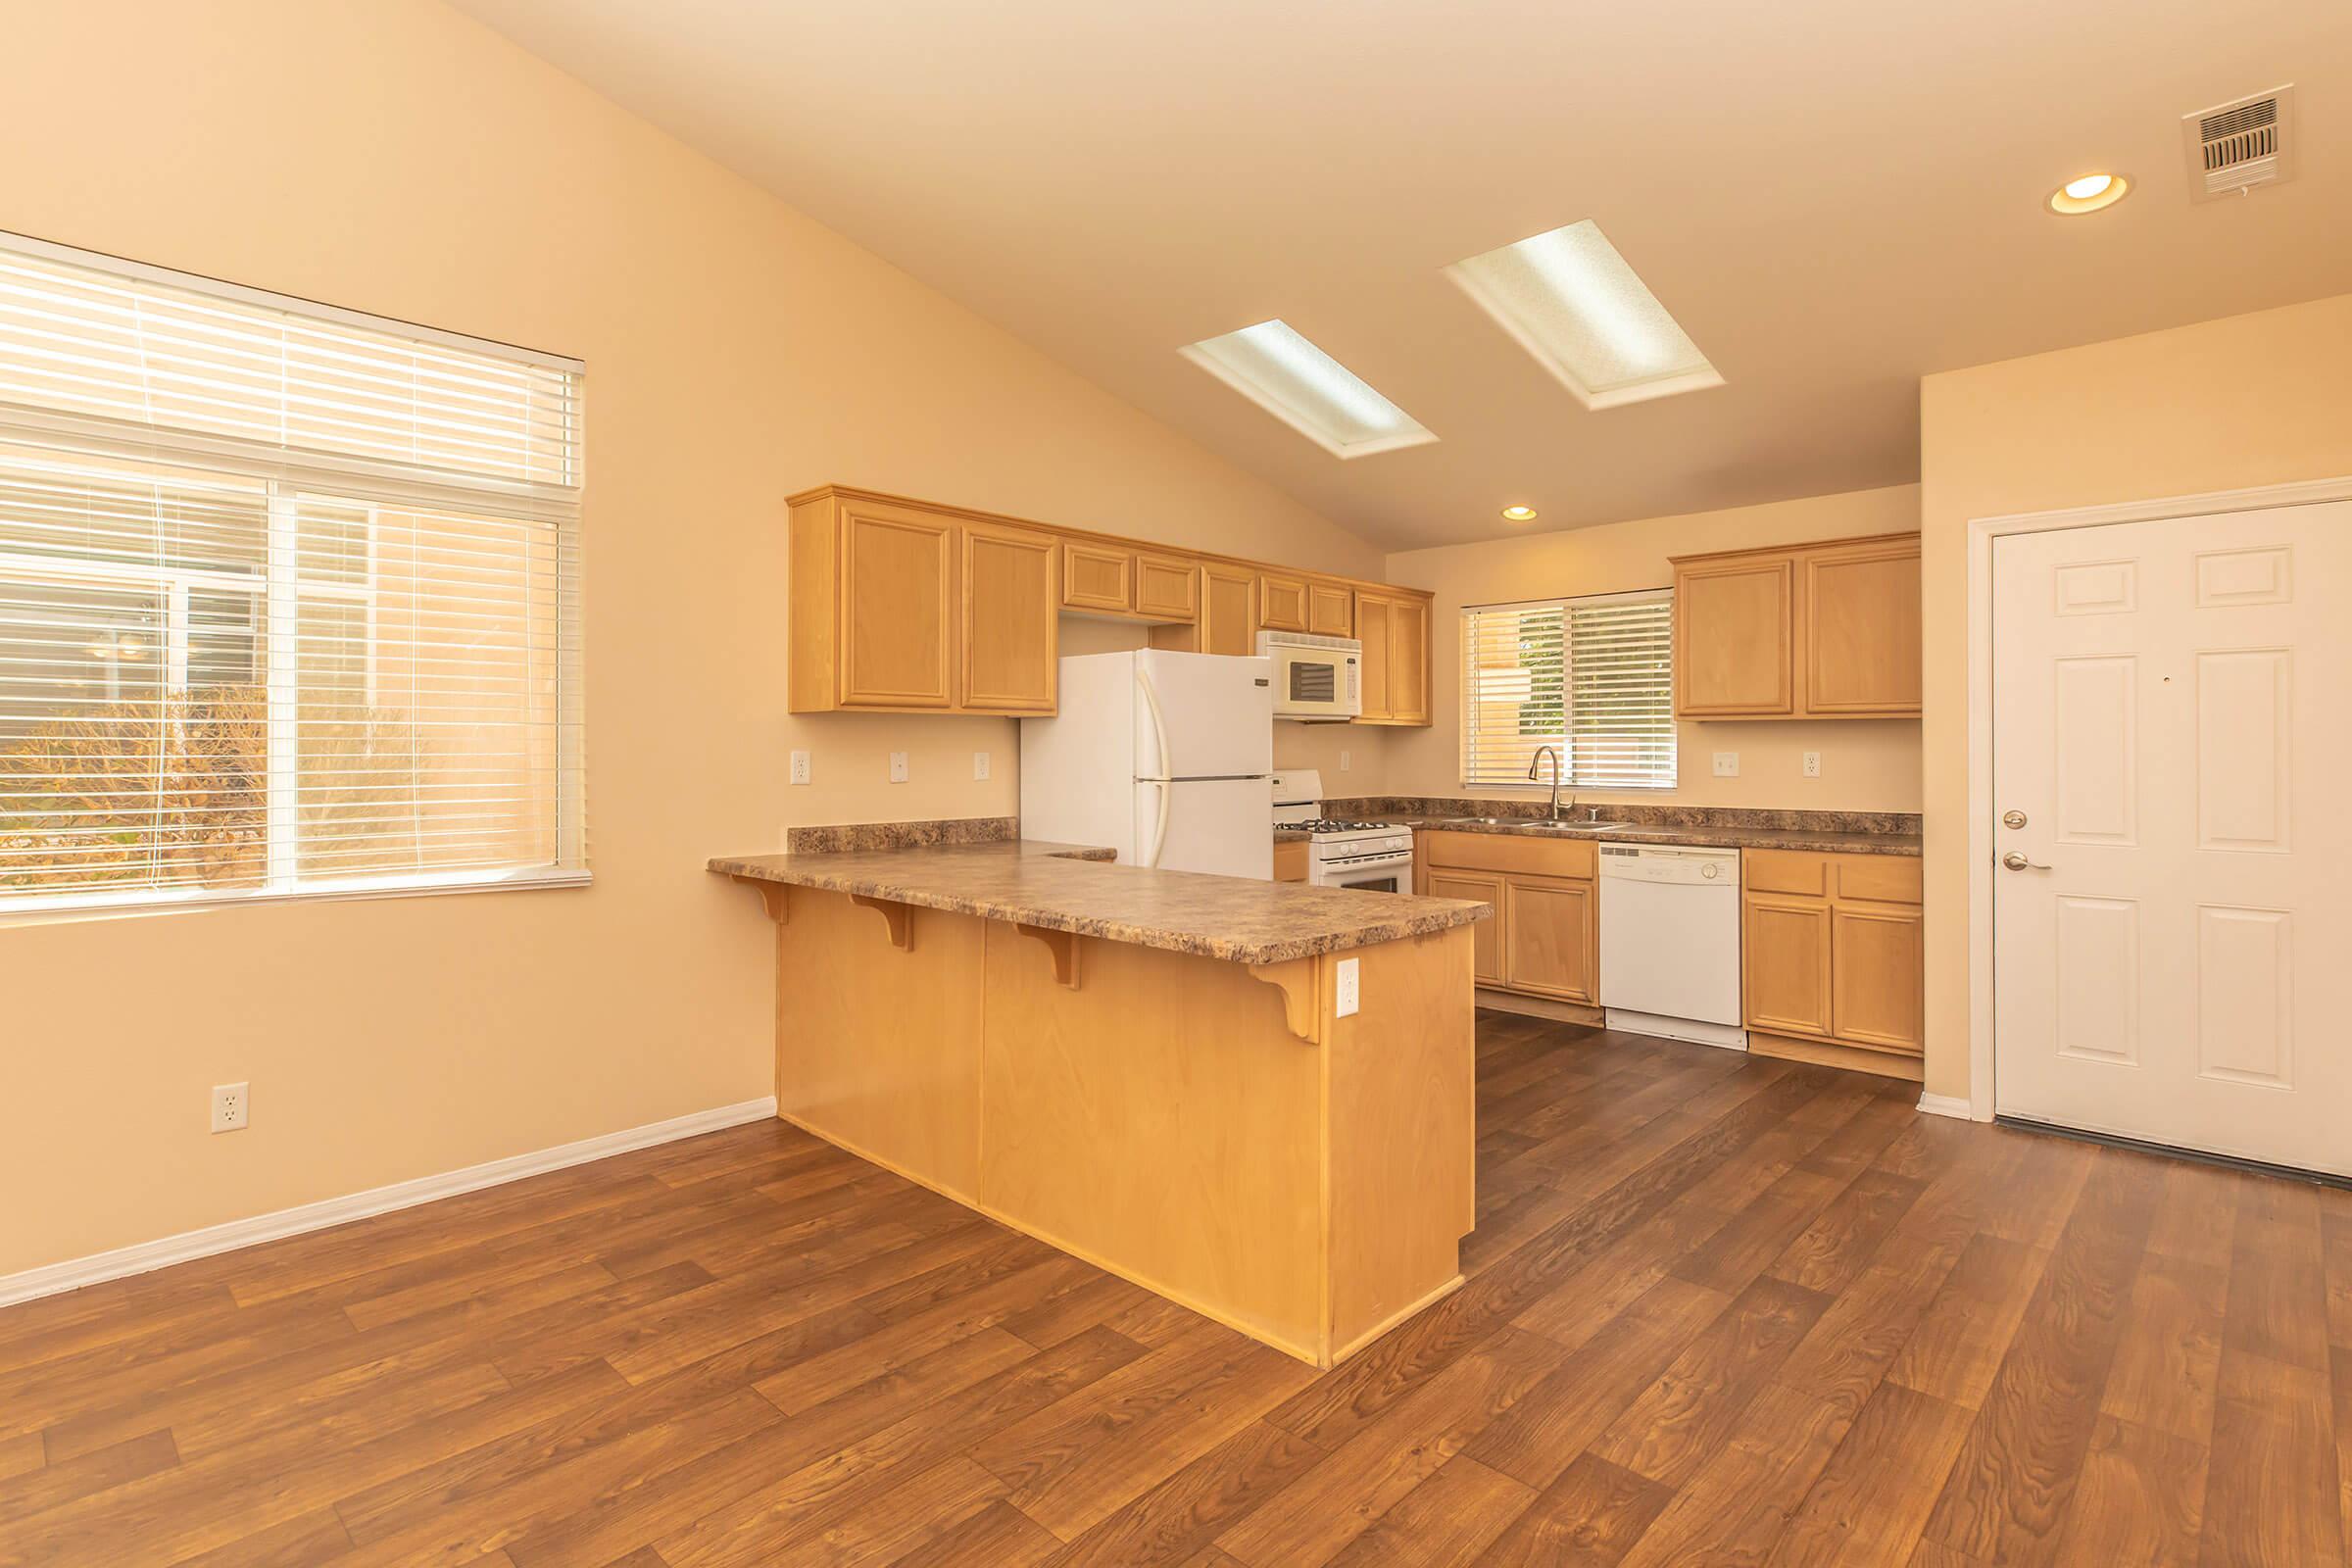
(74, 1273)
(1946, 1106)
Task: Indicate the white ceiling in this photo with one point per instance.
(1832, 197)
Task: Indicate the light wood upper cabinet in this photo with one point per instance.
(1330, 610)
(1166, 587)
(1734, 630)
(1862, 630)
(1008, 621)
(1804, 631)
(897, 579)
(1281, 602)
(897, 608)
(1098, 577)
(1408, 660)
(1228, 613)
(1372, 622)
(902, 605)
(1394, 631)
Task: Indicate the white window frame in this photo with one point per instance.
(287, 473)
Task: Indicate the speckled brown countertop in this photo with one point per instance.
(1713, 838)
(1063, 888)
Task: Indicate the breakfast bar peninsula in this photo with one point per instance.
(1253, 1098)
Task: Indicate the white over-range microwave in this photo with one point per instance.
(1314, 678)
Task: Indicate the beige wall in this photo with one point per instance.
(1867, 765)
(395, 157)
(2246, 401)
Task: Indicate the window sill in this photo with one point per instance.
(76, 906)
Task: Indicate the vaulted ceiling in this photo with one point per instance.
(1833, 197)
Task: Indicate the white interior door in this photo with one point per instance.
(2169, 905)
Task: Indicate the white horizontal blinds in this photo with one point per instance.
(1590, 677)
(224, 672)
(126, 347)
(1621, 677)
(1514, 697)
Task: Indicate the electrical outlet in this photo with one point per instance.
(1342, 761)
(1727, 764)
(1348, 998)
(898, 767)
(1812, 764)
(799, 767)
(231, 1107)
(980, 762)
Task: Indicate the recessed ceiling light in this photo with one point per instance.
(1519, 513)
(1573, 303)
(2088, 194)
(1308, 390)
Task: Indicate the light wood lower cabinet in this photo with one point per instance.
(1544, 938)
(1834, 958)
(1488, 935)
(1551, 938)
(1290, 860)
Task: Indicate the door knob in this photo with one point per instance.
(2013, 819)
(2017, 863)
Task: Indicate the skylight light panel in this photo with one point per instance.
(1573, 303)
(1308, 390)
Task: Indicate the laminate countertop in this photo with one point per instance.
(1710, 837)
(1061, 887)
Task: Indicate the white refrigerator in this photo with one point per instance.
(1166, 757)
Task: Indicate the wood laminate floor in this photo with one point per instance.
(1720, 1309)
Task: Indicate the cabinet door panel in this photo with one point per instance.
(1862, 630)
(1372, 619)
(1281, 602)
(1485, 936)
(1008, 620)
(1408, 660)
(1166, 588)
(895, 572)
(1549, 938)
(1788, 966)
(1097, 577)
(1877, 959)
(1734, 635)
(1330, 610)
(1227, 624)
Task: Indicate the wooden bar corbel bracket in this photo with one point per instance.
(899, 917)
(770, 894)
(1301, 982)
(1063, 945)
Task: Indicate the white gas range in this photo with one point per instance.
(1377, 856)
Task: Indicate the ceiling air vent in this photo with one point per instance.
(2235, 146)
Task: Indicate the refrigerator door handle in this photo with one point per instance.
(1159, 728)
(1159, 829)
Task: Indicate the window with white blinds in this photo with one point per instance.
(289, 596)
(1592, 678)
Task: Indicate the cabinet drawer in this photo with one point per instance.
(1503, 852)
(1879, 878)
(1796, 871)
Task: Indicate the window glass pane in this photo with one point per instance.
(108, 775)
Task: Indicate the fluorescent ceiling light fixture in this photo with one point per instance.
(1307, 389)
(1573, 303)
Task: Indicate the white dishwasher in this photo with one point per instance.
(1670, 943)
